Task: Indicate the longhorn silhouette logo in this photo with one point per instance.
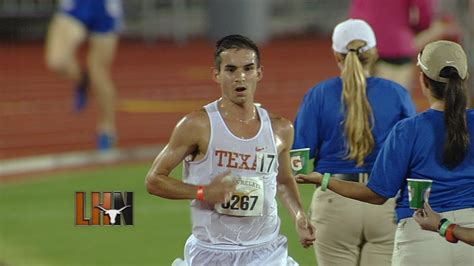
(107, 208)
(112, 213)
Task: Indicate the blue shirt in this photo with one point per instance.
(414, 149)
(319, 122)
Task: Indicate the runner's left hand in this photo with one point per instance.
(305, 231)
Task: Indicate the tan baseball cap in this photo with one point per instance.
(440, 54)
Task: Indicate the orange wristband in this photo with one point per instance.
(450, 233)
(200, 193)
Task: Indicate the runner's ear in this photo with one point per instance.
(215, 74)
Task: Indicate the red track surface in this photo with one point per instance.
(36, 114)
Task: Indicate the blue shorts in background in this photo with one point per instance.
(98, 16)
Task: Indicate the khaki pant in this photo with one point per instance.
(414, 246)
(401, 74)
(350, 232)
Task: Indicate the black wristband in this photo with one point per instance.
(441, 222)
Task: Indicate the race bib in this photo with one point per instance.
(265, 162)
(247, 200)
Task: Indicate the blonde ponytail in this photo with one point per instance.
(359, 118)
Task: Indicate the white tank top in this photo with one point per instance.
(255, 161)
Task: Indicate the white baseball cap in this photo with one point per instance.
(350, 30)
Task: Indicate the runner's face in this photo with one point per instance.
(238, 75)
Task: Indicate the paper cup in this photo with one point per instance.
(418, 192)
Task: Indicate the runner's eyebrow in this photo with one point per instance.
(234, 66)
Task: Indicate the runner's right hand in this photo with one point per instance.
(220, 189)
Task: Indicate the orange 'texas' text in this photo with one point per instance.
(236, 160)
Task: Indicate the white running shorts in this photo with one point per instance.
(272, 253)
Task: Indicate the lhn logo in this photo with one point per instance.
(114, 207)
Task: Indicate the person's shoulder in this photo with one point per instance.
(322, 88)
(429, 115)
(197, 114)
(410, 124)
(387, 84)
(280, 124)
(194, 120)
(403, 130)
(280, 120)
(327, 84)
(389, 88)
(331, 81)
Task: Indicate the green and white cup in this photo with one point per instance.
(299, 159)
(418, 192)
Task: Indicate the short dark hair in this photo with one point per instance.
(234, 41)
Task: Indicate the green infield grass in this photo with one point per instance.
(37, 222)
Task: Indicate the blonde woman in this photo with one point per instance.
(344, 121)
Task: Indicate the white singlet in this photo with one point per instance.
(250, 217)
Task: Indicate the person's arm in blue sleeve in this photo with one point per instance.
(306, 129)
(386, 178)
(392, 163)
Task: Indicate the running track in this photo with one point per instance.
(157, 85)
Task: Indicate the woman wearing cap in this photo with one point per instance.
(344, 121)
(437, 144)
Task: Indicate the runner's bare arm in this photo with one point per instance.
(287, 189)
(189, 137)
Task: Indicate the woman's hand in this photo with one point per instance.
(311, 178)
(427, 218)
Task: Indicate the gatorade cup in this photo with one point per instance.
(299, 159)
(418, 192)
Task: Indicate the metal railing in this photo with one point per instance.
(27, 8)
